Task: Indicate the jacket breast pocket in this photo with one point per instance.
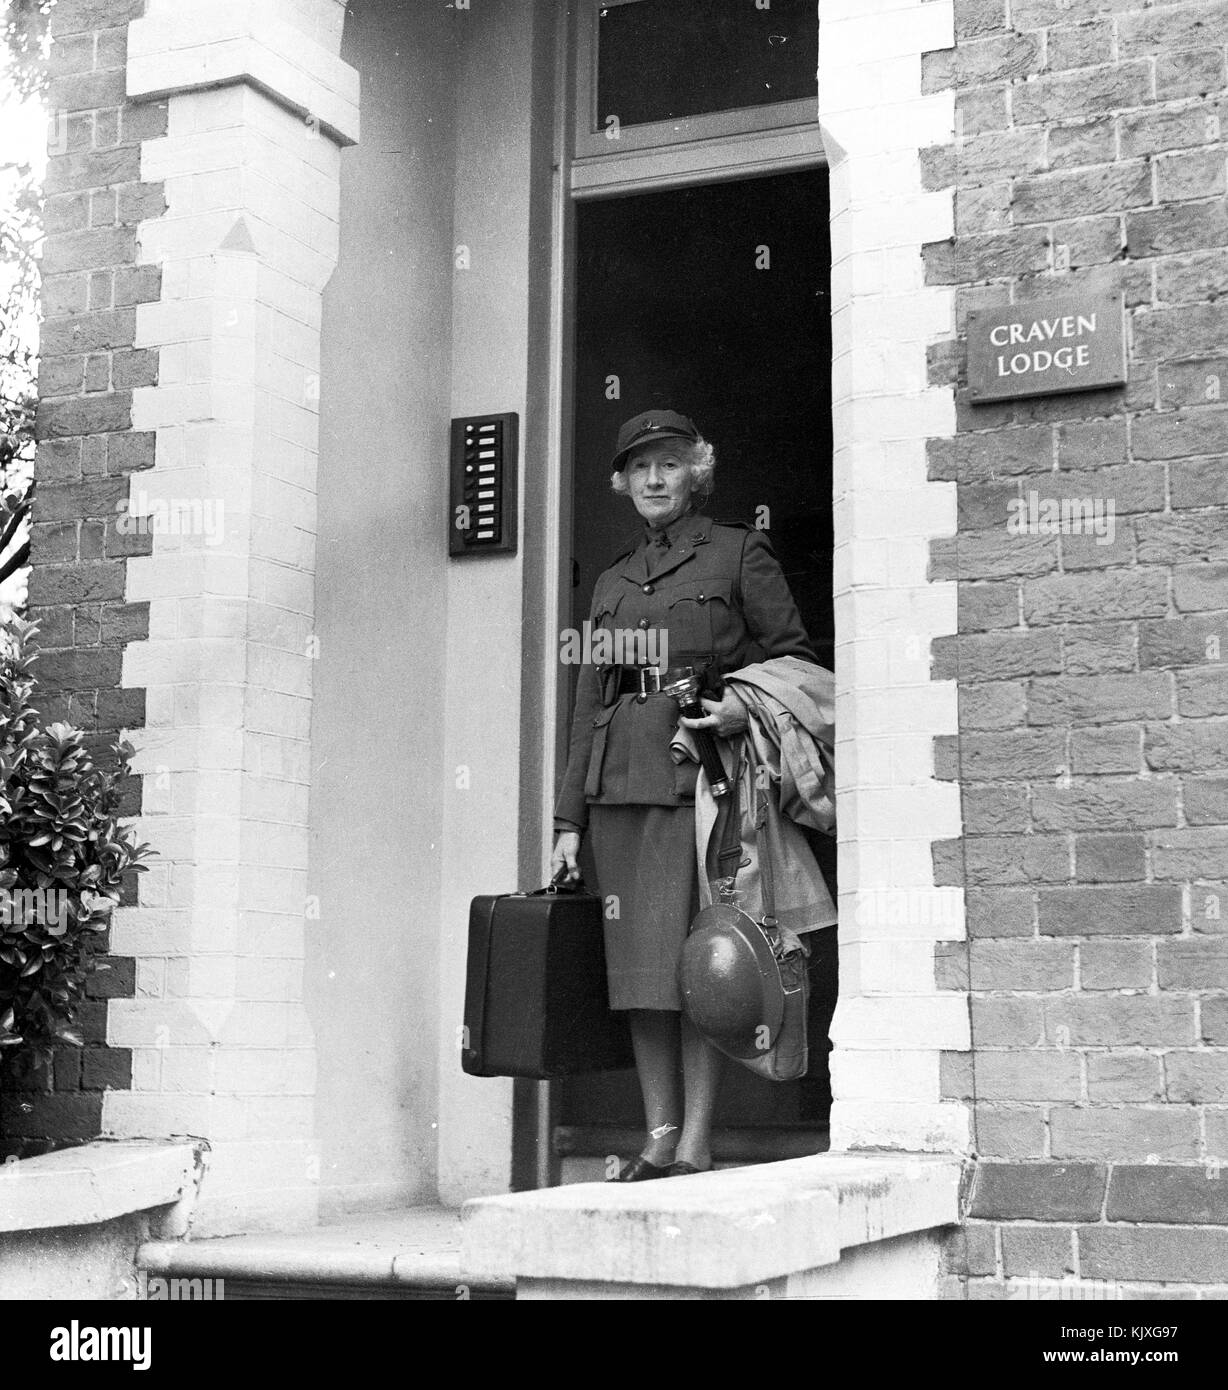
(605, 608)
(701, 613)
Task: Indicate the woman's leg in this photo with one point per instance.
(654, 1035)
(701, 1071)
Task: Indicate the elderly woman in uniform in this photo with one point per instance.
(719, 594)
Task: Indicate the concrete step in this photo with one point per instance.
(411, 1254)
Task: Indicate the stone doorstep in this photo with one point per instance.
(418, 1246)
(722, 1230)
(94, 1183)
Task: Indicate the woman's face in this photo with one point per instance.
(659, 481)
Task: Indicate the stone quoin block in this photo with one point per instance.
(1199, 965)
(1079, 45)
(1021, 859)
(1189, 641)
(1194, 24)
(1022, 755)
(1038, 1191)
(984, 606)
(1152, 132)
(1107, 647)
(1192, 280)
(1110, 858)
(1214, 1016)
(1047, 1251)
(995, 810)
(1201, 693)
(1105, 1020)
(1006, 1021)
(1098, 699)
(992, 705)
(1167, 1193)
(1088, 92)
(1113, 749)
(1194, 747)
(1197, 483)
(1032, 1075)
(1126, 1133)
(1103, 804)
(1176, 228)
(980, 110)
(1124, 1077)
(1081, 193)
(1088, 240)
(1014, 1131)
(1195, 330)
(999, 912)
(1194, 853)
(1163, 1253)
(996, 656)
(1021, 966)
(1117, 910)
(1194, 73)
(1107, 965)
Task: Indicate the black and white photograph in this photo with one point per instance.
(613, 668)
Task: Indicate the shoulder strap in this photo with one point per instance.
(729, 855)
(763, 812)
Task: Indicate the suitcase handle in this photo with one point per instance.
(559, 884)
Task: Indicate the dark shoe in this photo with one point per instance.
(639, 1170)
(682, 1170)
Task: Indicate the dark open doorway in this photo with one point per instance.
(714, 300)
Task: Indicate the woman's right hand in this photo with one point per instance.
(566, 848)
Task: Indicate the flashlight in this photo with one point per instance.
(686, 690)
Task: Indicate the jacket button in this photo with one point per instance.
(643, 622)
(701, 598)
(648, 589)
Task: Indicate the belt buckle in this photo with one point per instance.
(649, 678)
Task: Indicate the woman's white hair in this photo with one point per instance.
(699, 457)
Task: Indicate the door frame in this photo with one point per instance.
(744, 154)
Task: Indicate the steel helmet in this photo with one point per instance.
(730, 982)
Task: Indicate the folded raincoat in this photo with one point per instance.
(791, 707)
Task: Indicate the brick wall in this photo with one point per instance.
(1092, 755)
(87, 450)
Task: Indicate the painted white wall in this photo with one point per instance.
(494, 647)
(221, 1044)
(378, 784)
(892, 1023)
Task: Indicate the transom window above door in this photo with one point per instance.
(655, 74)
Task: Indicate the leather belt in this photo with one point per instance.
(639, 680)
(647, 680)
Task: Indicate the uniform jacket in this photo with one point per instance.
(719, 594)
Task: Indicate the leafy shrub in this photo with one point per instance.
(63, 858)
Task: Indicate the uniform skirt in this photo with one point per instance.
(645, 861)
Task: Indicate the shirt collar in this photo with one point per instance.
(674, 529)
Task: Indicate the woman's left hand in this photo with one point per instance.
(725, 717)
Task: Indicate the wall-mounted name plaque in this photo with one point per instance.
(1075, 344)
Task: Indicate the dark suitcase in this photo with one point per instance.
(536, 1003)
